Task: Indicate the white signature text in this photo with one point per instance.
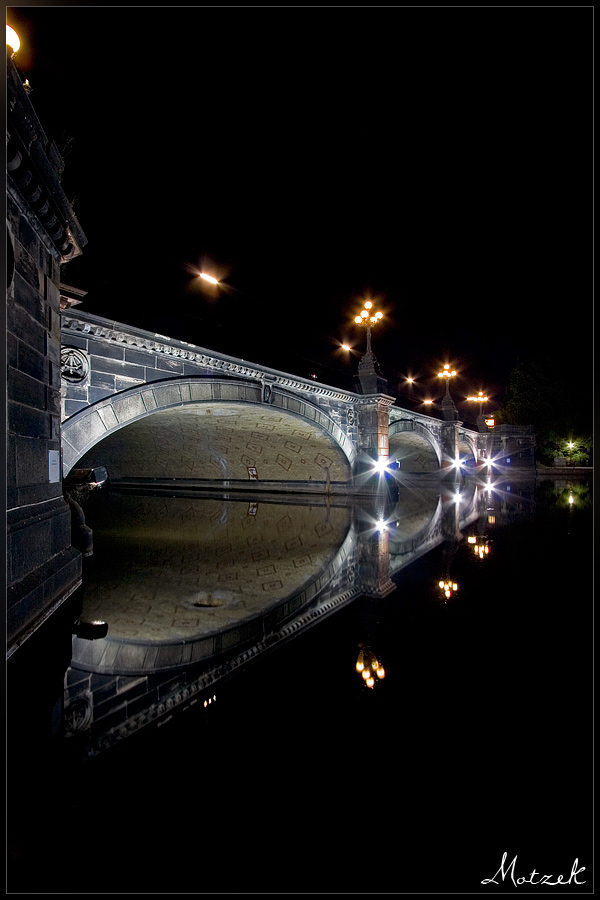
(534, 877)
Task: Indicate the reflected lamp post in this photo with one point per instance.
(368, 666)
(447, 588)
(481, 547)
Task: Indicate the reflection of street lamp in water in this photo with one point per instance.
(368, 666)
(447, 588)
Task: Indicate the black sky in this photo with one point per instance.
(437, 159)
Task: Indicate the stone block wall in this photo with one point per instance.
(42, 567)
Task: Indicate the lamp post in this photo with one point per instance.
(371, 379)
(448, 408)
(12, 40)
(481, 399)
(369, 319)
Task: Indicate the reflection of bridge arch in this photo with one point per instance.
(414, 446)
(181, 580)
(414, 519)
(185, 428)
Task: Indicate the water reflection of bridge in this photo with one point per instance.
(202, 585)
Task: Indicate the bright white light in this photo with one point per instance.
(12, 39)
(345, 347)
(381, 464)
(208, 278)
(381, 526)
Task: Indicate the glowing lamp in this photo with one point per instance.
(12, 39)
(208, 278)
(368, 304)
(357, 319)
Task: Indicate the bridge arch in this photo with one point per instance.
(467, 448)
(414, 446)
(283, 436)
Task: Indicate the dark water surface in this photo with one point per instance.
(298, 778)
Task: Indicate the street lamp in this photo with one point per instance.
(447, 374)
(209, 278)
(482, 424)
(12, 40)
(369, 319)
(371, 379)
(448, 408)
(479, 399)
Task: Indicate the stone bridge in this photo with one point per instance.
(149, 407)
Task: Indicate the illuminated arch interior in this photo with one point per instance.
(220, 441)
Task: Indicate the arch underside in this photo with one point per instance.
(219, 440)
(467, 453)
(415, 452)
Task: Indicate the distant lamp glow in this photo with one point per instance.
(358, 320)
(346, 347)
(208, 278)
(364, 313)
(12, 39)
(368, 304)
(446, 372)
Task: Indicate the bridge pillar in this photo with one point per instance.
(450, 445)
(373, 431)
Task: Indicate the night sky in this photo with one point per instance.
(435, 160)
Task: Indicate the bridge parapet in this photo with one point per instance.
(113, 374)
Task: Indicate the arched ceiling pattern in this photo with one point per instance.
(168, 569)
(413, 452)
(220, 441)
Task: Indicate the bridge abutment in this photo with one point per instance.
(43, 569)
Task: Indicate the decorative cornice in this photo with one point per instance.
(33, 168)
(116, 332)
